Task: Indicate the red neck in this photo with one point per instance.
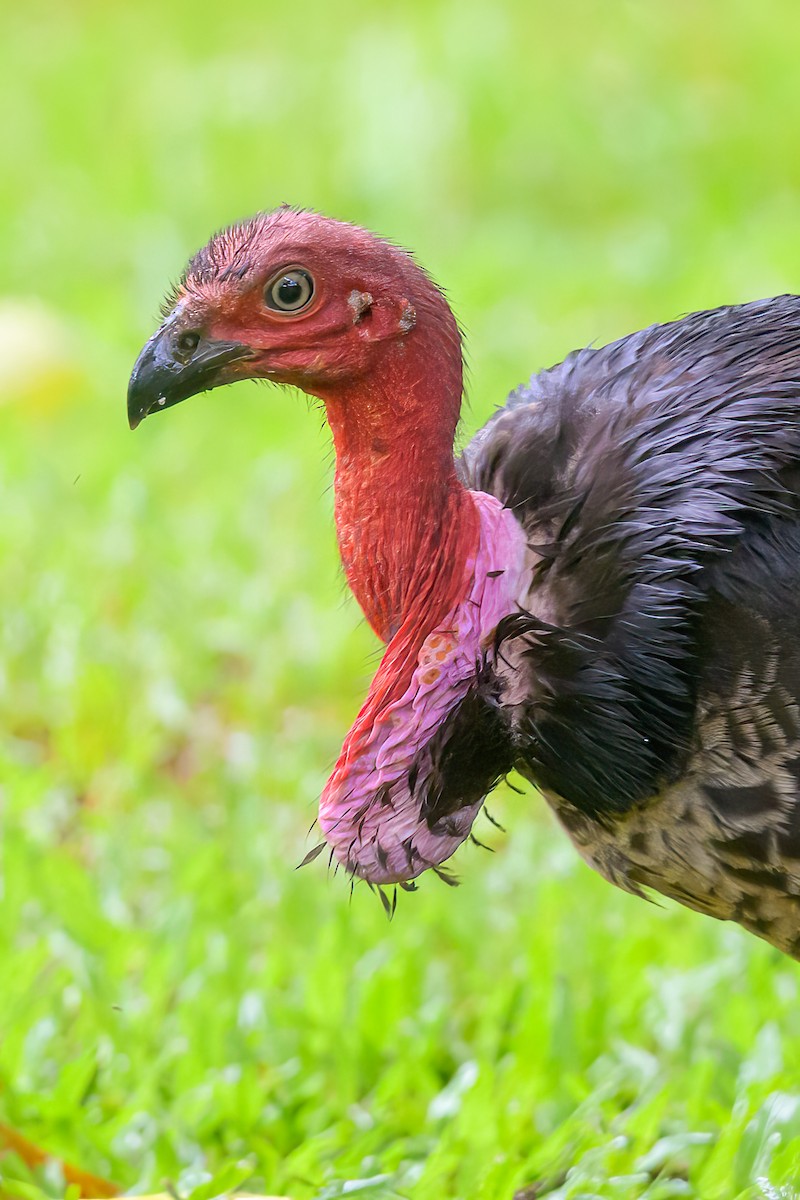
(405, 524)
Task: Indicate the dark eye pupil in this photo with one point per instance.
(289, 290)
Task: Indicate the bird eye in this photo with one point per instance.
(290, 291)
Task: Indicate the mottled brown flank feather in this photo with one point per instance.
(651, 685)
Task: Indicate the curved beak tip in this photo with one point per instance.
(136, 414)
(142, 400)
(161, 378)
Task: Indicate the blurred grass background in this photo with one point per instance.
(178, 662)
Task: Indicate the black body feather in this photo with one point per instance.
(650, 682)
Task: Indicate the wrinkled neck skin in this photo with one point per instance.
(434, 567)
(404, 523)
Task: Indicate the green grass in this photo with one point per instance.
(178, 663)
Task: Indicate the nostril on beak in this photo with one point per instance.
(187, 342)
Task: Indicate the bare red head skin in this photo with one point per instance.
(377, 343)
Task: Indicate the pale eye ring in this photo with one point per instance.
(289, 291)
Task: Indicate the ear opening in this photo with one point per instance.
(361, 304)
(408, 316)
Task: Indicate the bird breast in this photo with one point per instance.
(372, 809)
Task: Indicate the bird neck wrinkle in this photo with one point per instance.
(405, 524)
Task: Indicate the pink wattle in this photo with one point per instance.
(368, 812)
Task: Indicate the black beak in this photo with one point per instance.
(177, 363)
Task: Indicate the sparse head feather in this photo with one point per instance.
(238, 249)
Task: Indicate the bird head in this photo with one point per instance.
(295, 298)
(300, 299)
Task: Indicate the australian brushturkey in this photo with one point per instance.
(603, 592)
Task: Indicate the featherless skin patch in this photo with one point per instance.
(371, 809)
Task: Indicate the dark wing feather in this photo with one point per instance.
(641, 467)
